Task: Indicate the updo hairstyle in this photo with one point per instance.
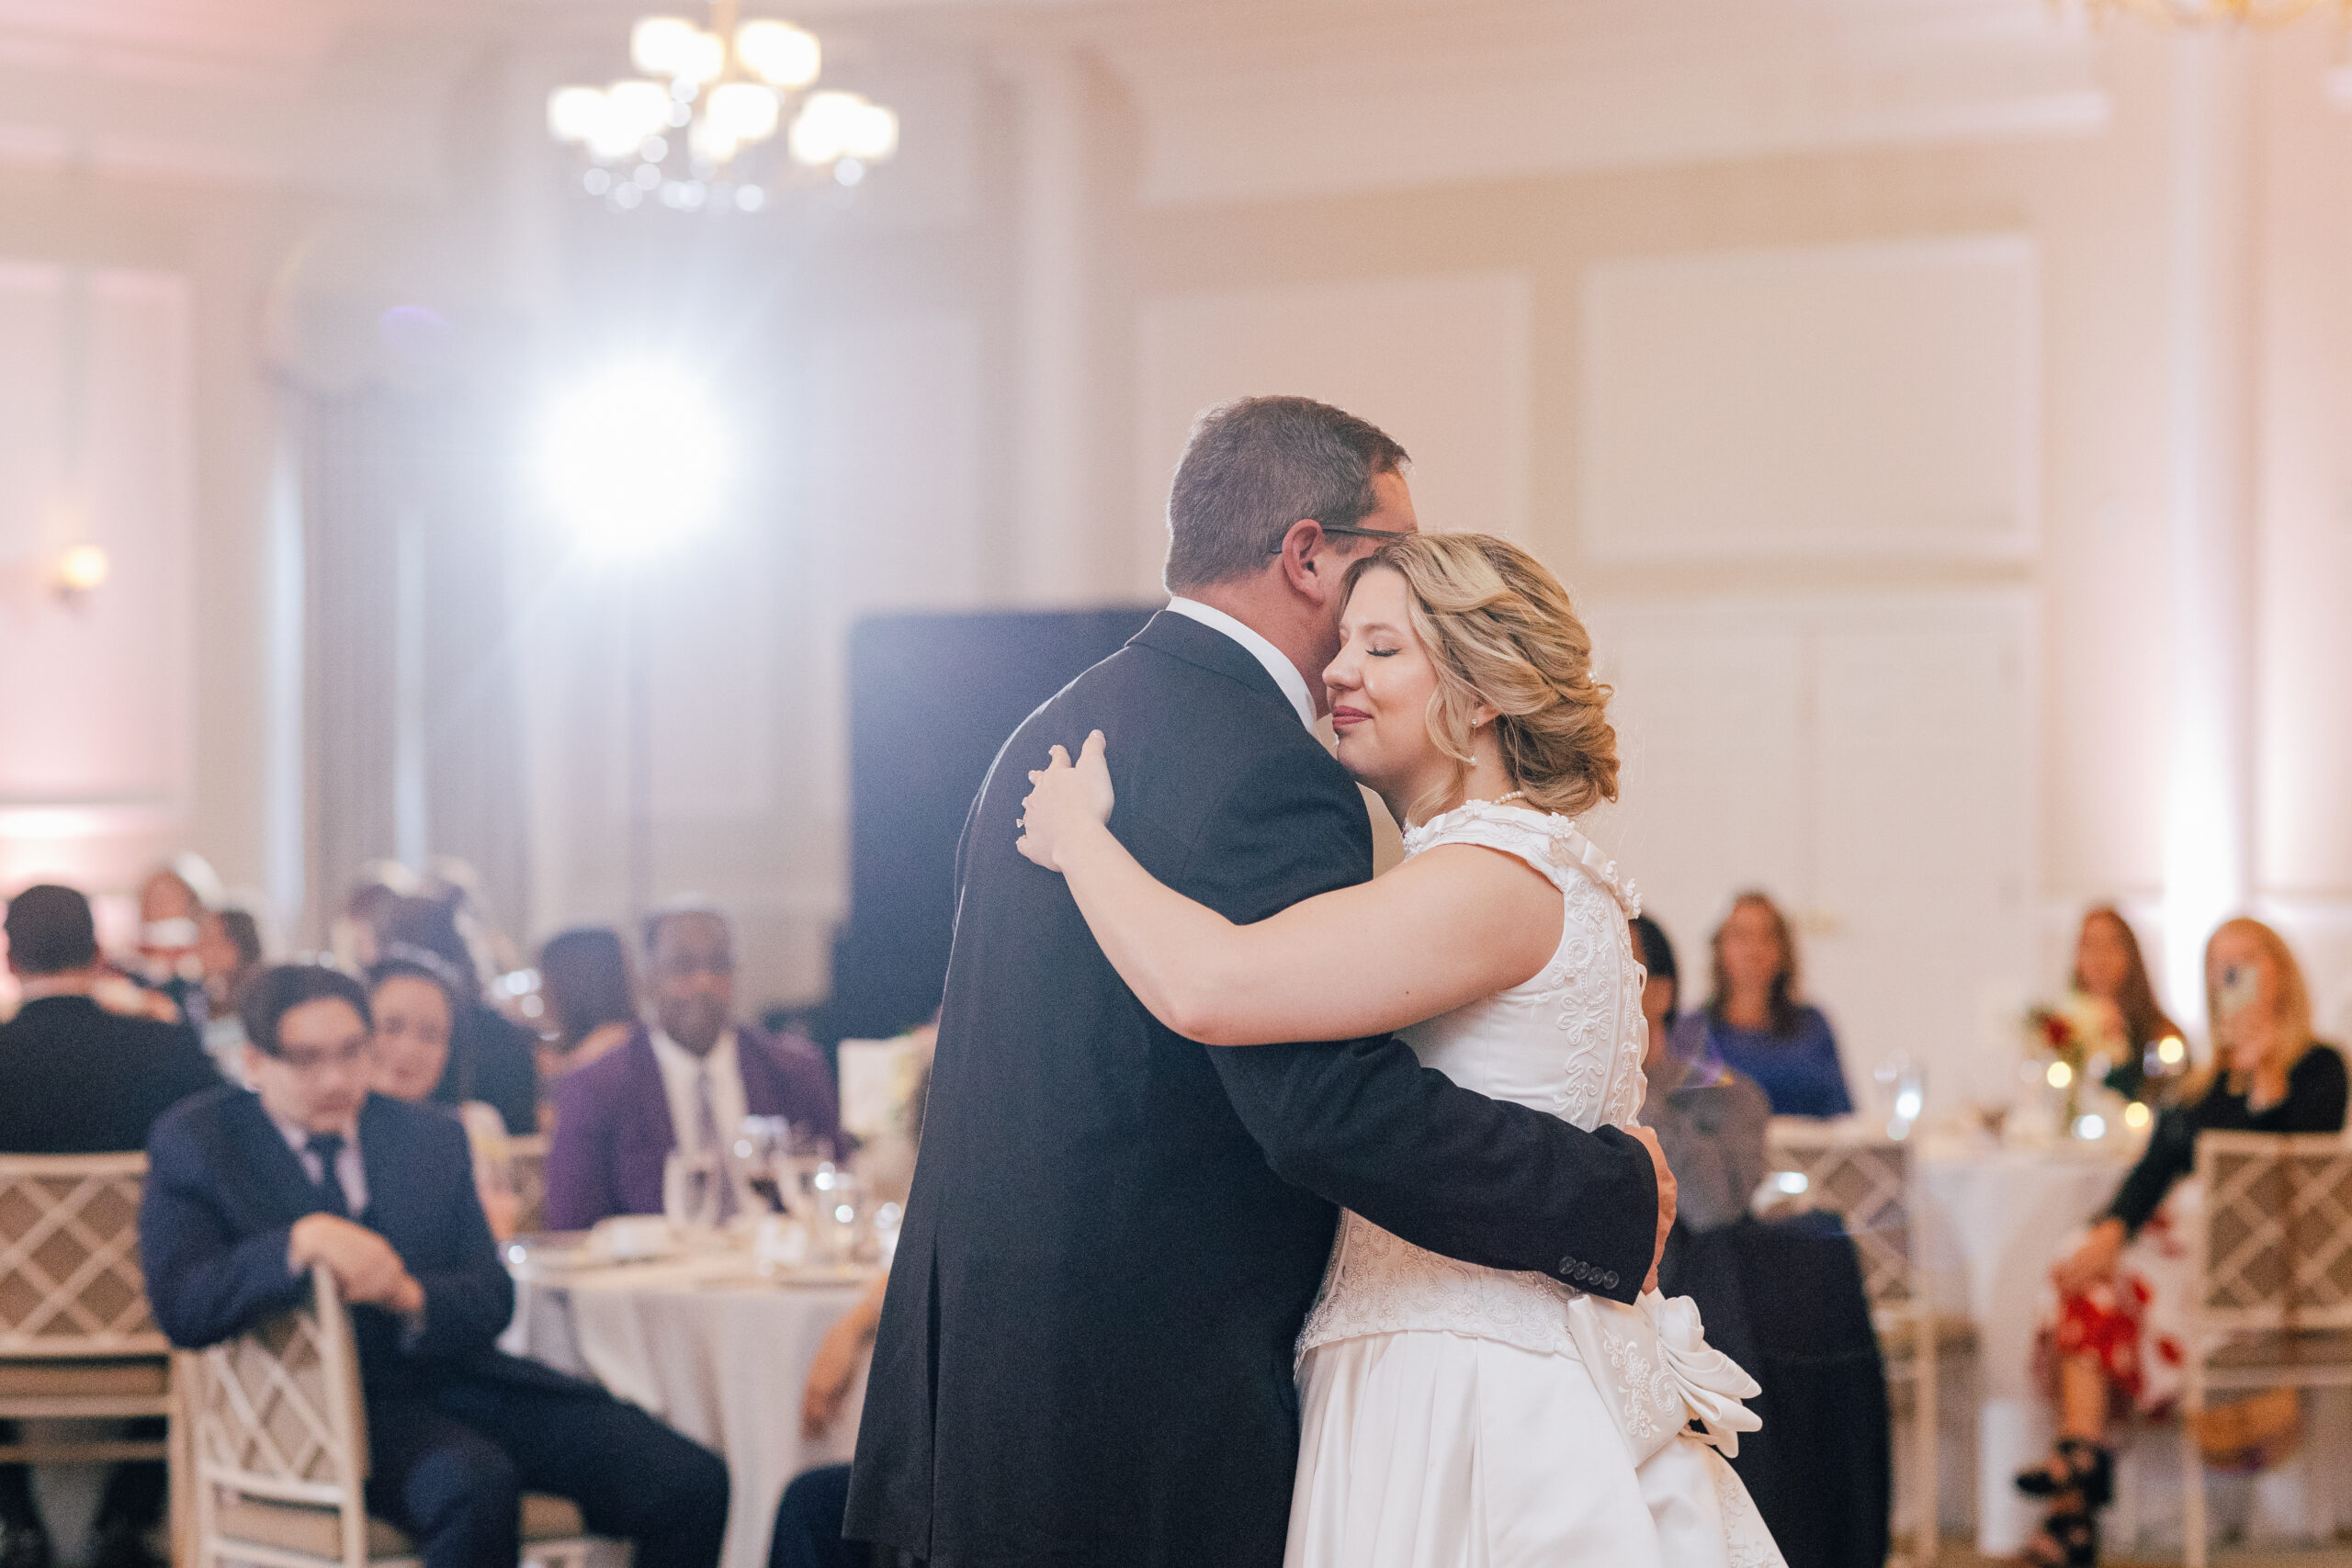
(1500, 631)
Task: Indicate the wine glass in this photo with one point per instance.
(761, 1151)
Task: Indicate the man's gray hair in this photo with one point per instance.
(1254, 467)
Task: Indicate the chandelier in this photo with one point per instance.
(679, 135)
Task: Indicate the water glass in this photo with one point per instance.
(833, 1228)
(690, 1190)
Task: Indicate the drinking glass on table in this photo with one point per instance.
(690, 1182)
(763, 1153)
(834, 1228)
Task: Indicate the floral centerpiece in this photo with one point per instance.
(2072, 1034)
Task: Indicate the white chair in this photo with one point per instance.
(2272, 1305)
(281, 1454)
(76, 1339)
(1867, 1183)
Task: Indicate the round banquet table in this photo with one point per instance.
(709, 1346)
(1993, 1221)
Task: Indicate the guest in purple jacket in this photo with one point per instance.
(688, 1082)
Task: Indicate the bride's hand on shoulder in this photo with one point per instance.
(1066, 801)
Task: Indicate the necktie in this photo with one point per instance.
(707, 1133)
(328, 1147)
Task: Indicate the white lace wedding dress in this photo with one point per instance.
(1456, 1416)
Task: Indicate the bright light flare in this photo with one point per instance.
(632, 458)
(84, 570)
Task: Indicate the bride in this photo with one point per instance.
(1456, 1416)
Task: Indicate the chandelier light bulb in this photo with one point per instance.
(641, 109)
(745, 111)
(659, 45)
(575, 113)
(820, 130)
(711, 141)
(778, 53)
(704, 59)
(872, 133)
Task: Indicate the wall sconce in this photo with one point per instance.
(81, 572)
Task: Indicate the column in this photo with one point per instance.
(1057, 540)
(2209, 807)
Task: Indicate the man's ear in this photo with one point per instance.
(1308, 576)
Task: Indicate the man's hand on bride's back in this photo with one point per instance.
(1666, 1196)
(1065, 800)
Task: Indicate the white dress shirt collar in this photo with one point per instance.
(349, 1169)
(1277, 662)
(681, 1068)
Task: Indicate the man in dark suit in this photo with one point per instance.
(76, 1078)
(688, 1082)
(1085, 1355)
(247, 1192)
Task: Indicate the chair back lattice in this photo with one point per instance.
(2274, 1248)
(1867, 1184)
(527, 1158)
(70, 1284)
(276, 1410)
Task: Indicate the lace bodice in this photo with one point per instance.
(1568, 1041)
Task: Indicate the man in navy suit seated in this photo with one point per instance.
(246, 1191)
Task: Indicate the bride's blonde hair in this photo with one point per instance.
(1500, 631)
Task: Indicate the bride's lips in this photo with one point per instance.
(1341, 717)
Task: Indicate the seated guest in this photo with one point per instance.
(172, 904)
(54, 1056)
(2110, 970)
(1709, 1119)
(685, 1083)
(491, 1058)
(247, 1190)
(412, 996)
(2121, 1292)
(584, 978)
(809, 1519)
(231, 950)
(1754, 1022)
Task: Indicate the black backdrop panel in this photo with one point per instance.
(931, 699)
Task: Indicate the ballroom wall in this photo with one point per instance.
(1922, 684)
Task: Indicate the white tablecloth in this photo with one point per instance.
(1993, 1221)
(716, 1351)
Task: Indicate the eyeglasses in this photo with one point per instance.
(345, 1057)
(1343, 531)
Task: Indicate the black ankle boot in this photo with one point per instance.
(2080, 1465)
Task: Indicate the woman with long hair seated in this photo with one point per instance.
(2113, 1339)
(414, 995)
(2110, 970)
(1757, 1023)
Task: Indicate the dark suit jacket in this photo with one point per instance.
(613, 1131)
(223, 1191)
(1085, 1353)
(491, 1059)
(77, 1079)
